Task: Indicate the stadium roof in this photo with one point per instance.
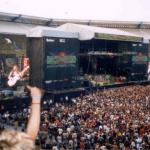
(19, 18)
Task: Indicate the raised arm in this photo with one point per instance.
(34, 120)
(24, 71)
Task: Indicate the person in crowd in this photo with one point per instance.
(15, 140)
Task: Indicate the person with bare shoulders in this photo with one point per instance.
(15, 140)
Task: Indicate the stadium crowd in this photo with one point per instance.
(116, 119)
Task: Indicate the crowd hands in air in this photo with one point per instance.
(115, 119)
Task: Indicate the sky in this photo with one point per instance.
(114, 10)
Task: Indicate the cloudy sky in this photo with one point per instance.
(116, 10)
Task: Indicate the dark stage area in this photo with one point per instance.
(117, 59)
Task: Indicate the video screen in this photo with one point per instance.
(61, 59)
(14, 66)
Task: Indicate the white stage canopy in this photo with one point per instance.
(51, 32)
(83, 32)
(89, 32)
(31, 30)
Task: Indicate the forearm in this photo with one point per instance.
(34, 120)
(9, 76)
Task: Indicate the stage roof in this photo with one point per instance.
(89, 32)
(51, 32)
(85, 31)
(31, 30)
(140, 32)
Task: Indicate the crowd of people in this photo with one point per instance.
(115, 119)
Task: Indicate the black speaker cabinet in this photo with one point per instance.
(52, 60)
